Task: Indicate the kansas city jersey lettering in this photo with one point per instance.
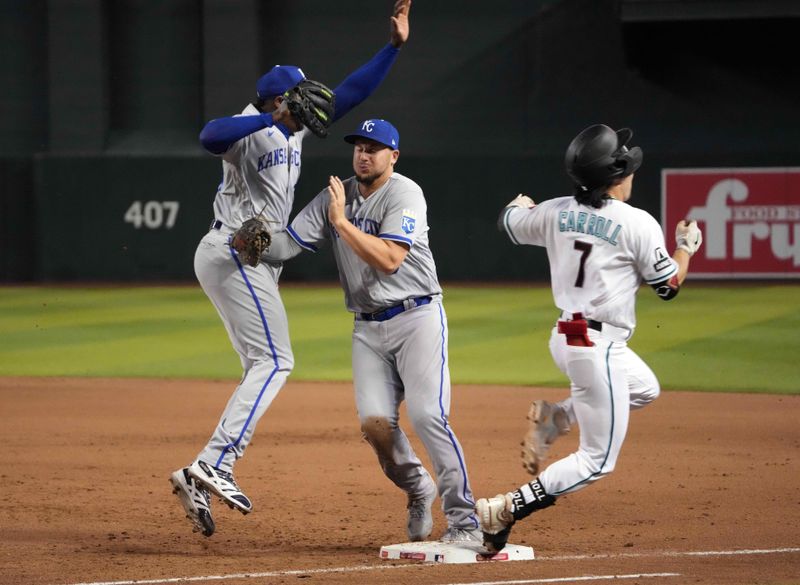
(364, 224)
(278, 156)
(590, 224)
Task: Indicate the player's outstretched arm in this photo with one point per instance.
(521, 201)
(360, 84)
(384, 255)
(282, 248)
(218, 135)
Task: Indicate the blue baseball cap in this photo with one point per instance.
(278, 80)
(377, 130)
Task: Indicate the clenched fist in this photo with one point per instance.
(688, 236)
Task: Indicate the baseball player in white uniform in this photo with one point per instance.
(377, 224)
(260, 151)
(600, 251)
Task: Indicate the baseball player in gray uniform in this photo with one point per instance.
(377, 224)
(600, 250)
(260, 151)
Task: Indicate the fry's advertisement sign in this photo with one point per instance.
(750, 219)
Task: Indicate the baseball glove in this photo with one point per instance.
(251, 240)
(313, 104)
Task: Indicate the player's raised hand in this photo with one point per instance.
(282, 115)
(688, 236)
(400, 27)
(336, 203)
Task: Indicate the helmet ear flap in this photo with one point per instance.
(629, 161)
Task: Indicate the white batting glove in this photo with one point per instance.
(522, 201)
(688, 236)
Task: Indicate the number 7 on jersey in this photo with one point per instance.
(585, 249)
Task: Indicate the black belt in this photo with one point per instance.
(591, 323)
(216, 224)
(386, 314)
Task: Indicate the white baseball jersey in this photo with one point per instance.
(259, 173)
(398, 212)
(598, 257)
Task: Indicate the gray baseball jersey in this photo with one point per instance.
(259, 173)
(398, 212)
(403, 357)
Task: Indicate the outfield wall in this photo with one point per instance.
(103, 102)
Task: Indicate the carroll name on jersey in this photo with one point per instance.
(278, 157)
(590, 224)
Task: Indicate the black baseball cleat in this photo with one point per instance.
(194, 499)
(221, 484)
(494, 543)
(496, 520)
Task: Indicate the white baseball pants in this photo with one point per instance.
(606, 382)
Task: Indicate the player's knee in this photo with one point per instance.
(373, 425)
(646, 394)
(596, 464)
(647, 397)
(287, 363)
(377, 431)
(274, 359)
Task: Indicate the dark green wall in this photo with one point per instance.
(103, 101)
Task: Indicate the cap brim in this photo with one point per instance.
(351, 138)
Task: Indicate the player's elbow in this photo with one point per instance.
(390, 261)
(390, 266)
(668, 289)
(501, 220)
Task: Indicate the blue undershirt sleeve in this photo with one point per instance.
(218, 135)
(358, 86)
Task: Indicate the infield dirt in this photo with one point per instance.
(86, 499)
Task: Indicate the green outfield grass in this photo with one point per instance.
(738, 338)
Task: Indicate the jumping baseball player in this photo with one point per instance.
(377, 224)
(600, 251)
(260, 151)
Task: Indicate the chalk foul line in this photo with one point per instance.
(384, 567)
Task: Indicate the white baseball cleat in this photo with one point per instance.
(496, 519)
(548, 421)
(194, 500)
(420, 520)
(456, 535)
(222, 484)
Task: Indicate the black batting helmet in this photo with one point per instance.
(599, 155)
